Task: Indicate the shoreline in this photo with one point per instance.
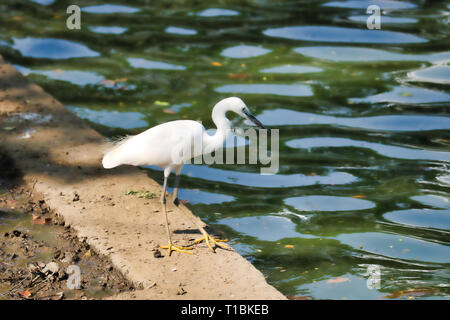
(60, 157)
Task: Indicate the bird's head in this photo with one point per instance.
(238, 106)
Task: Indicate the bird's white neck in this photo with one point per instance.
(223, 125)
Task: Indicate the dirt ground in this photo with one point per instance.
(59, 156)
(34, 266)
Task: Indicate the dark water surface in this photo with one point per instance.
(363, 119)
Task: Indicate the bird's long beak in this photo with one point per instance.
(252, 118)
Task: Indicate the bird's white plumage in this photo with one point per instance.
(153, 146)
(161, 145)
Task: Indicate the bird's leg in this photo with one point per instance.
(175, 188)
(208, 239)
(206, 236)
(170, 246)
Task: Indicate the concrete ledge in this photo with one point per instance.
(61, 155)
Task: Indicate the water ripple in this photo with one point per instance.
(328, 203)
(52, 48)
(265, 181)
(342, 34)
(155, 65)
(423, 218)
(281, 117)
(289, 90)
(383, 149)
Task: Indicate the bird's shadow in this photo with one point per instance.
(187, 231)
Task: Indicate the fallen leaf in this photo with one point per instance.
(338, 280)
(37, 219)
(168, 111)
(108, 82)
(121, 80)
(238, 75)
(359, 196)
(406, 94)
(216, 64)
(161, 103)
(411, 293)
(140, 194)
(26, 294)
(88, 253)
(289, 246)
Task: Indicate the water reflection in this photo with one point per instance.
(180, 31)
(282, 117)
(397, 246)
(150, 64)
(288, 68)
(125, 120)
(265, 228)
(423, 218)
(51, 48)
(43, 2)
(291, 90)
(433, 201)
(108, 30)
(264, 181)
(196, 196)
(80, 78)
(217, 12)
(403, 94)
(382, 149)
(328, 203)
(244, 51)
(435, 74)
(358, 4)
(357, 54)
(342, 34)
(385, 19)
(109, 8)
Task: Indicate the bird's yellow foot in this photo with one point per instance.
(171, 248)
(209, 239)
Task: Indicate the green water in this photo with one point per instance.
(363, 119)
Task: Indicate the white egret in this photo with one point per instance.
(161, 146)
